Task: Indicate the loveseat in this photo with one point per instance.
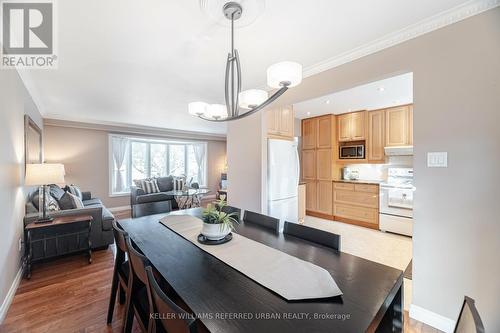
(143, 203)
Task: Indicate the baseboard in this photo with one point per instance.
(119, 209)
(10, 295)
(432, 319)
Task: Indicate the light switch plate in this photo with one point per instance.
(437, 160)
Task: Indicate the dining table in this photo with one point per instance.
(225, 300)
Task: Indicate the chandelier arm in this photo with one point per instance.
(271, 99)
(226, 89)
(238, 90)
(233, 99)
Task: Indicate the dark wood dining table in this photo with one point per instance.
(225, 300)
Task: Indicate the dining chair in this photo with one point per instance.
(164, 312)
(262, 220)
(321, 237)
(230, 210)
(469, 320)
(138, 298)
(120, 270)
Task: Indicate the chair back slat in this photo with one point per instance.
(321, 237)
(173, 318)
(138, 262)
(262, 220)
(120, 237)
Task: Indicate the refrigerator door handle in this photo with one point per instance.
(297, 166)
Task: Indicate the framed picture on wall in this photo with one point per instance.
(33, 151)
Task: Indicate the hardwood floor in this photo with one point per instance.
(69, 295)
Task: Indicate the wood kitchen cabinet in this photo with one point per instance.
(324, 197)
(397, 126)
(311, 196)
(280, 122)
(356, 204)
(324, 164)
(376, 136)
(324, 132)
(351, 126)
(309, 164)
(309, 133)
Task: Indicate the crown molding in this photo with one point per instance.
(425, 26)
(121, 128)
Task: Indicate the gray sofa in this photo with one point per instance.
(143, 203)
(101, 233)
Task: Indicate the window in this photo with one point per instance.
(137, 158)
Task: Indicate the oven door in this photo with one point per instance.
(396, 201)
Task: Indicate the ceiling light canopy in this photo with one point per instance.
(281, 76)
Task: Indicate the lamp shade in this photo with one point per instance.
(217, 111)
(284, 73)
(197, 108)
(251, 98)
(44, 174)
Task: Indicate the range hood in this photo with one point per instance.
(399, 151)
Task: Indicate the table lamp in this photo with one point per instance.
(42, 175)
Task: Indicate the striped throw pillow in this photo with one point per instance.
(149, 185)
(75, 190)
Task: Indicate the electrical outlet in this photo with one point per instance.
(20, 246)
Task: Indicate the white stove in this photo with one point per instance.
(396, 201)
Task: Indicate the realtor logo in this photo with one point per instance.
(28, 34)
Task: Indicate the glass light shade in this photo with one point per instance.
(251, 98)
(44, 174)
(217, 111)
(197, 108)
(284, 72)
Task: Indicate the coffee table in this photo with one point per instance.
(189, 198)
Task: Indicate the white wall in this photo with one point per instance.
(14, 103)
(246, 160)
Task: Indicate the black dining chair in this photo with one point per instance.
(164, 313)
(138, 298)
(120, 271)
(313, 235)
(230, 209)
(262, 220)
(469, 320)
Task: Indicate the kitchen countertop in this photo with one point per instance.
(359, 181)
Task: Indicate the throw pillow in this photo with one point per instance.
(75, 190)
(52, 204)
(76, 201)
(165, 184)
(67, 201)
(149, 185)
(179, 183)
(56, 191)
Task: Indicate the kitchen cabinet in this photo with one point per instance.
(309, 164)
(309, 133)
(311, 196)
(351, 126)
(376, 136)
(324, 132)
(410, 125)
(397, 126)
(356, 203)
(324, 197)
(280, 122)
(324, 164)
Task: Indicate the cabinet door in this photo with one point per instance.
(376, 136)
(396, 126)
(358, 122)
(309, 128)
(325, 197)
(311, 195)
(325, 132)
(410, 125)
(309, 164)
(324, 164)
(286, 120)
(273, 121)
(344, 127)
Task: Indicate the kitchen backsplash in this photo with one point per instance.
(379, 171)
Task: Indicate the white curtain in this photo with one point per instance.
(199, 154)
(120, 146)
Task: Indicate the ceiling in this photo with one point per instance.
(141, 63)
(397, 90)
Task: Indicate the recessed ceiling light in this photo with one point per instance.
(327, 101)
(381, 89)
(308, 113)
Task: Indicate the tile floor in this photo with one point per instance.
(382, 247)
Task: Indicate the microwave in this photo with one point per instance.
(352, 152)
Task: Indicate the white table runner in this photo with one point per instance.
(288, 276)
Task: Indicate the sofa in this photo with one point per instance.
(101, 233)
(143, 203)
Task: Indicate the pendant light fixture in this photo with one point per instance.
(240, 104)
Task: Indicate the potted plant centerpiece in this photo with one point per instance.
(216, 223)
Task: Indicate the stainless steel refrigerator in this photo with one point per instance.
(283, 172)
